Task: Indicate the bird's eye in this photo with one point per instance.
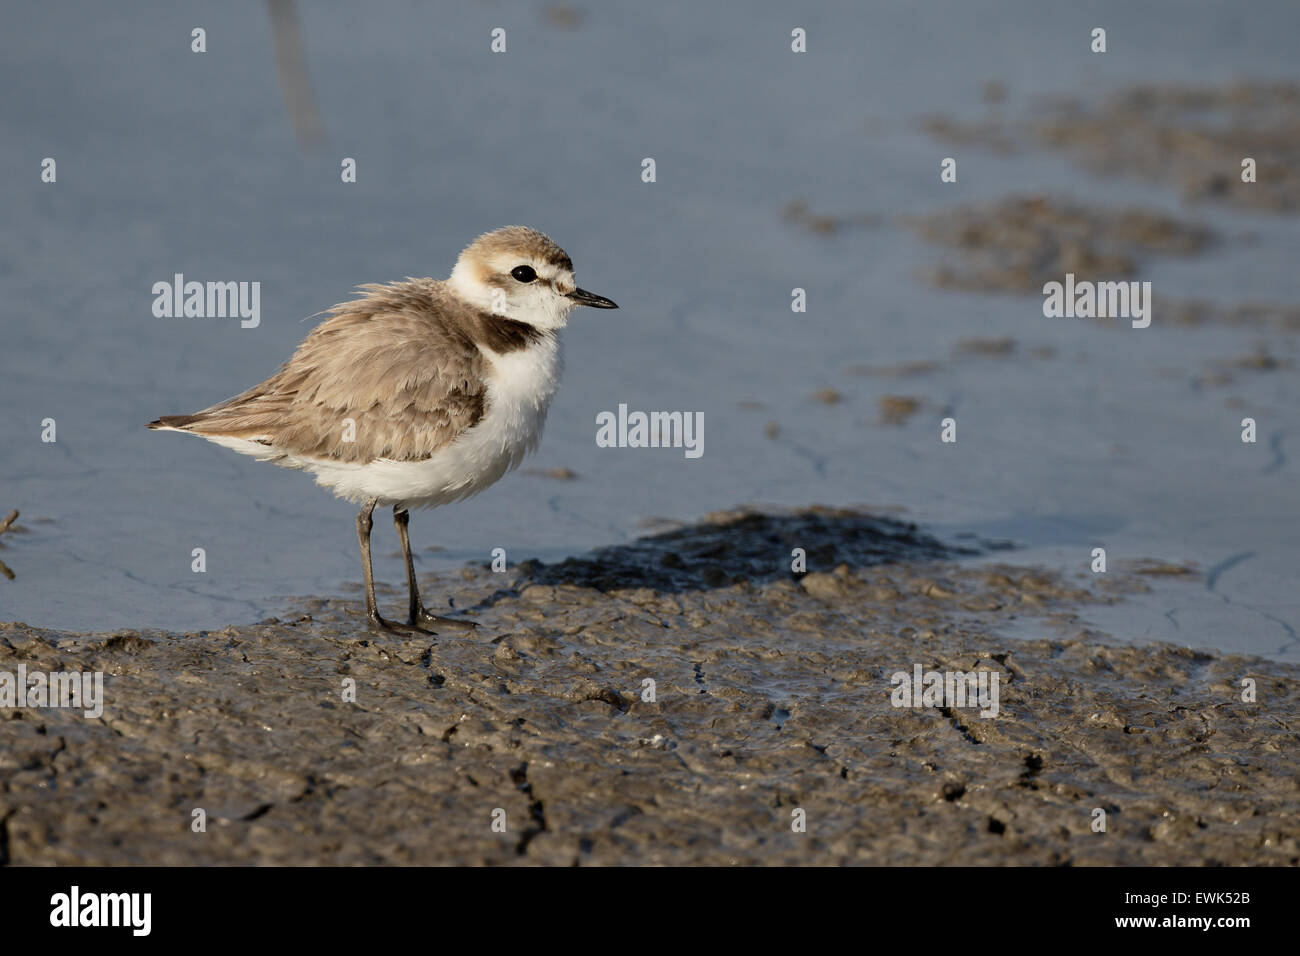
(523, 273)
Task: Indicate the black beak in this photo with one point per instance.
(583, 297)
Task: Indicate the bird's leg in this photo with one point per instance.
(364, 524)
(402, 518)
(419, 616)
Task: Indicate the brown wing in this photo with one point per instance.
(388, 371)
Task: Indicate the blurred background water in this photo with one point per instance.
(171, 161)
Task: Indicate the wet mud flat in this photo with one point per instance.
(1192, 135)
(772, 695)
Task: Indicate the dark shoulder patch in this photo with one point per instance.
(505, 335)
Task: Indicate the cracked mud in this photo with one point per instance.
(772, 692)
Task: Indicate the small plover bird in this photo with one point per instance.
(416, 393)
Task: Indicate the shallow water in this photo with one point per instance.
(169, 161)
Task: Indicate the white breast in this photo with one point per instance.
(520, 386)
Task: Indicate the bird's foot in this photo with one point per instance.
(423, 618)
(378, 623)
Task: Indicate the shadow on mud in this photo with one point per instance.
(745, 545)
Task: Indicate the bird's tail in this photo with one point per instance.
(178, 422)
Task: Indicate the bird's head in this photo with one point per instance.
(520, 274)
